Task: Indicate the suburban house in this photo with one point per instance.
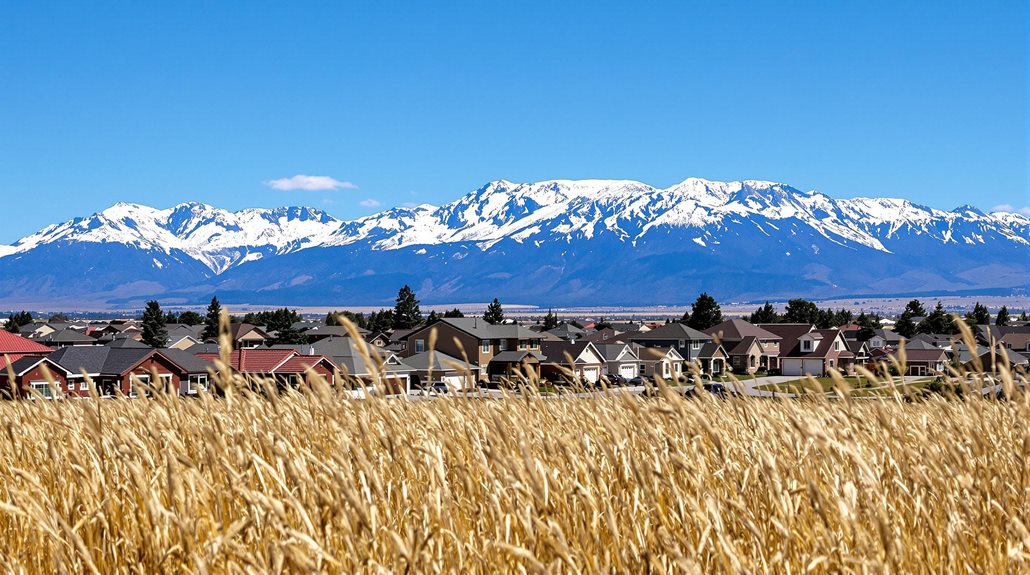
(749, 347)
(619, 359)
(196, 372)
(245, 335)
(116, 370)
(992, 360)
(567, 360)
(568, 332)
(349, 354)
(884, 339)
(809, 351)
(67, 338)
(712, 359)
(504, 350)
(32, 373)
(285, 366)
(921, 358)
(14, 347)
(686, 340)
(663, 362)
(435, 366)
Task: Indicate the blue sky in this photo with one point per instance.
(162, 103)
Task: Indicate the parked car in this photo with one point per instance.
(716, 389)
(615, 379)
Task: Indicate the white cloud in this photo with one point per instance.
(1025, 210)
(371, 203)
(309, 183)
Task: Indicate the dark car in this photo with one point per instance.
(716, 389)
(616, 379)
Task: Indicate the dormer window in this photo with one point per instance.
(806, 345)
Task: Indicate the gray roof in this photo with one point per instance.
(672, 331)
(126, 342)
(437, 361)
(67, 336)
(27, 362)
(187, 361)
(738, 329)
(611, 351)
(478, 327)
(99, 359)
(709, 350)
(343, 351)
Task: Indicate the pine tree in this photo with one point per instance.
(704, 312)
(406, 314)
(905, 327)
(170, 317)
(801, 311)
(602, 324)
(494, 312)
(1023, 317)
(154, 332)
(978, 316)
(191, 318)
(550, 320)
(433, 317)
(1003, 317)
(16, 320)
(914, 308)
(453, 313)
(380, 321)
(765, 314)
(937, 322)
(870, 323)
(214, 313)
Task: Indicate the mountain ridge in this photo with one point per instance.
(762, 227)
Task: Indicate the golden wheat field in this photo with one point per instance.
(317, 482)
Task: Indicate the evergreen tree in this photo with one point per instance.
(153, 324)
(704, 312)
(978, 316)
(602, 324)
(550, 320)
(358, 319)
(453, 313)
(170, 317)
(801, 311)
(16, 320)
(765, 314)
(905, 327)
(380, 321)
(1022, 317)
(433, 317)
(406, 314)
(214, 311)
(914, 308)
(937, 322)
(58, 317)
(1003, 317)
(191, 318)
(869, 323)
(494, 312)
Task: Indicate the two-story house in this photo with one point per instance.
(805, 350)
(507, 351)
(750, 347)
(687, 341)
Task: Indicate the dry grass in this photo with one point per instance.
(318, 482)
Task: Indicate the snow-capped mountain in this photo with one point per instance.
(560, 241)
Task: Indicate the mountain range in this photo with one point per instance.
(559, 242)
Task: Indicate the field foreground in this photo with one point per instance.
(622, 484)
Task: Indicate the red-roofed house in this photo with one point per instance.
(286, 366)
(14, 347)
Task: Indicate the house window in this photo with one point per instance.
(523, 344)
(695, 345)
(485, 346)
(683, 344)
(71, 386)
(836, 347)
(806, 345)
(420, 345)
(503, 345)
(41, 387)
(752, 361)
(83, 386)
(195, 383)
(141, 380)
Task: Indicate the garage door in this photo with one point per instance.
(813, 367)
(801, 367)
(629, 371)
(591, 374)
(790, 367)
